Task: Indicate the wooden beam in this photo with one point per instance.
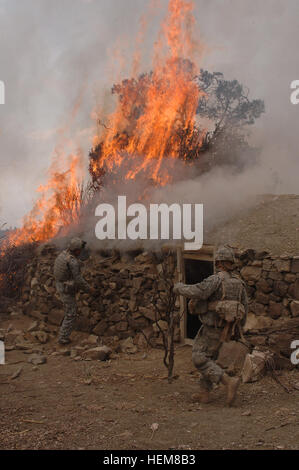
(199, 257)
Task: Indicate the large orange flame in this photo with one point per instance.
(152, 113)
(57, 207)
(154, 110)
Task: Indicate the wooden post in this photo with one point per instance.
(181, 278)
(205, 254)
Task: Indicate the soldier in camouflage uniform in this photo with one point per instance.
(68, 282)
(222, 286)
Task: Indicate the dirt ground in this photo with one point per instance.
(68, 404)
(270, 224)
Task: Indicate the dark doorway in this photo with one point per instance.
(196, 271)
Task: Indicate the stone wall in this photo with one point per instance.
(128, 285)
(273, 289)
(273, 284)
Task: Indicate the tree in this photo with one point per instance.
(227, 106)
(226, 103)
(167, 314)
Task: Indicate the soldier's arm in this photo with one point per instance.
(202, 291)
(79, 280)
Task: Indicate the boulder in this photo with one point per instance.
(251, 273)
(121, 326)
(24, 344)
(12, 335)
(258, 309)
(264, 286)
(145, 337)
(282, 265)
(128, 346)
(274, 298)
(290, 277)
(34, 283)
(33, 326)
(276, 276)
(100, 328)
(92, 339)
(275, 309)
(281, 343)
(257, 323)
(41, 336)
(280, 288)
(37, 359)
(295, 265)
(262, 298)
(162, 324)
(257, 340)
(257, 263)
(295, 308)
(255, 366)
(232, 355)
(137, 283)
(148, 313)
(101, 353)
(267, 265)
(62, 352)
(116, 317)
(140, 341)
(139, 323)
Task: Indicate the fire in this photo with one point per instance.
(57, 207)
(154, 122)
(155, 115)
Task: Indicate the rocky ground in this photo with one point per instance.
(271, 224)
(59, 398)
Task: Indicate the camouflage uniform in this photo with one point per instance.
(68, 282)
(208, 339)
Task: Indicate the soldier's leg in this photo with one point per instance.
(232, 385)
(69, 318)
(205, 350)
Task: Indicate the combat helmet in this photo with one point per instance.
(76, 244)
(225, 253)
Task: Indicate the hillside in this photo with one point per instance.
(271, 225)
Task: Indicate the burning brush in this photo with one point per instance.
(154, 126)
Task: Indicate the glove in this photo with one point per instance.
(177, 287)
(192, 306)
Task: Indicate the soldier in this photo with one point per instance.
(68, 282)
(225, 313)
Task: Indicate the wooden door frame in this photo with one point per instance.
(206, 253)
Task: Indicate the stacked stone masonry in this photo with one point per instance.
(127, 286)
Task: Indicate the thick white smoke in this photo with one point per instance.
(53, 51)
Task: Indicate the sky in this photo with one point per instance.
(55, 54)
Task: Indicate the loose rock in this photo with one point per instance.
(101, 353)
(37, 359)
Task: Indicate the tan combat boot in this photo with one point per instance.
(232, 385)
(204, 396)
